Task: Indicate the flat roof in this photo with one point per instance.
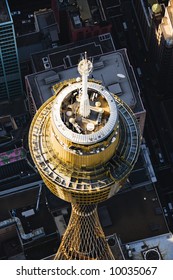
(12, 156)
(19, 199)
(70, 54)
(142, 174)
(107, 68)
(135, 214)
(14, 108)
(163, 244)
(35, 31)
(45, 18)
(5, 15)
(35, 219)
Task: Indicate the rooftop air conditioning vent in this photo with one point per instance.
(152, 254)
(111, 241)
(45, 59)
(46, 65)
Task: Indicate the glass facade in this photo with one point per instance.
(10, 77)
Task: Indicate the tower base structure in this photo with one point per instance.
(84, 238)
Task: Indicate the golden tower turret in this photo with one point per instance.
(84, 141)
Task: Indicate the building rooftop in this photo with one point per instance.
(24, 219)
(111, 8)
(69, 55)
(35, 31)
(85, 13)
(12, 156)
(113, 69)
(5, 15)
(155, 248)
(136, 214)
(142, 173)
(16, 170)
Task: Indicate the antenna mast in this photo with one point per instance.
(84, 68)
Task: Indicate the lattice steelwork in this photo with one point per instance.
(84, 226)
(84, 157)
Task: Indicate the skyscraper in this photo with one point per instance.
(164, 55)
(149, 15)
(10, 78)
(84, 141)
(156, 25)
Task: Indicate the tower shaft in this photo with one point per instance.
(84, 238)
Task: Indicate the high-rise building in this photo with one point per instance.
(156, 26)
(84, 141)
(149, 14)
(81, 19)
(10, 77)
(164, 54)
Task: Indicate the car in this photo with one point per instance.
(160, 158)
(54, 45)
(165, 211)
(30, 15)
(170, 206)
(45, 59)
(16, 13)
(26, 21)
(125, 26)
(139, 71)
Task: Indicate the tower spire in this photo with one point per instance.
(85, 67)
